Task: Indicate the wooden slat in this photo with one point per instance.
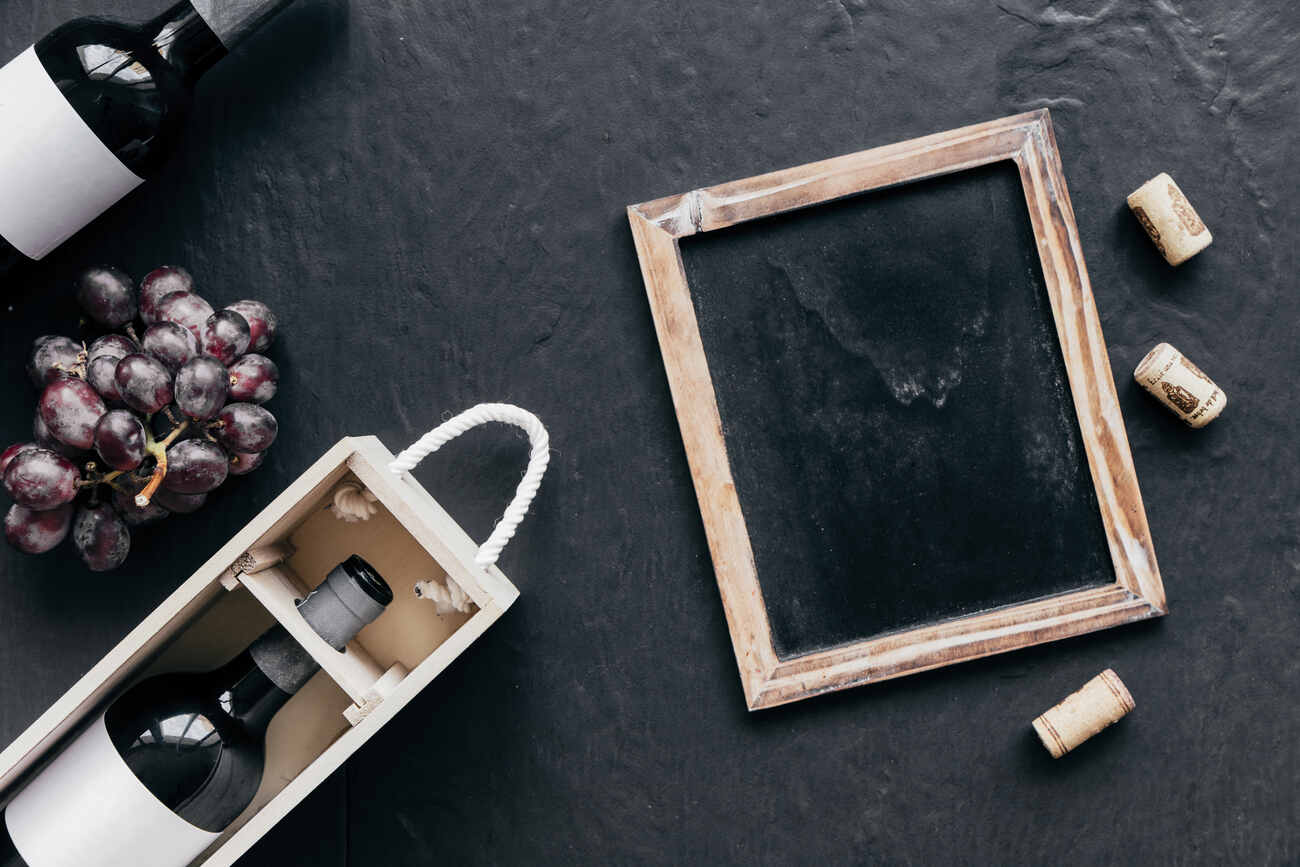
(817, 183)
(701, 425)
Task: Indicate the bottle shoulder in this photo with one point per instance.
(131, 98)
(180, 736)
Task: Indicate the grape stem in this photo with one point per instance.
(78, 368)
(157, 448)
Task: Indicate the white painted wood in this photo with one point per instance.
(381, 689)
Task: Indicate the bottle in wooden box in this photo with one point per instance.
(255, 581)
(157, 777)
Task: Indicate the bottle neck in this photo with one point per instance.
(282, 660)
(185, 40)
(247, 693)
(233, 21)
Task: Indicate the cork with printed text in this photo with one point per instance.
(1180, 385)
(1170, 221)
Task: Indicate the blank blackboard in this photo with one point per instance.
(895, 409)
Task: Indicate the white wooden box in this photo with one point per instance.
(221, 608)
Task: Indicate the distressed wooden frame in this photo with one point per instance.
(1028, 141)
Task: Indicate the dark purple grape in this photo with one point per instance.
(114, 345)
(41, 479)
(253, 379)
(225, 336)
(101, 373)
(157, 285)
(107, 296)
(261, 323)
(179, 504)
(101, 537)
(144, 383)
(202, 386)
(134, 515)
(70, 409)
(35, 532)
(46, 440)
(246, 427)
(170, 343)
(241, 463)
(195, 467)
(52, 357)
(120, 440)
(187, 309)
(12, 452)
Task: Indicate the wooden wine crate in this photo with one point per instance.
(253, 582)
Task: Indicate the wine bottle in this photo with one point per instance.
(95, 107)
(157, 777)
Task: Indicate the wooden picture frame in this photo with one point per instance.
(1028, 141)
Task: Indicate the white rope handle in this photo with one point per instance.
(471, 418)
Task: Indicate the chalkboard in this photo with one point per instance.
(894, 394)
(895, 407)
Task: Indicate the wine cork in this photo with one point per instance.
(1102, 701)
(1180, 385)
(1171, 221)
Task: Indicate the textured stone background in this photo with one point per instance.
(432, 195)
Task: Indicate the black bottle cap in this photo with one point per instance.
(351, 596)
(368, 578)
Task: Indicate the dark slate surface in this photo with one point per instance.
(432, 194)
(895, 408)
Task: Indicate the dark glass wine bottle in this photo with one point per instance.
(176, 758)
(95, 107)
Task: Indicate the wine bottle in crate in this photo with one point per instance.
(174, 760)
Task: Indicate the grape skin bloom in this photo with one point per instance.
(120, 440)
(202, 387)
(115, 345)
(70, 409)
(246, 427)
(144, 383)
(254, 379)
(243, 463)
(101, 373)
(225, 336)
(51, 358)
(35, 532)
(107, 296)
(261, 320)
(41, 479)
(170, 343)
(101, 537)
(195, 467)
(157, 285)
(187, 309)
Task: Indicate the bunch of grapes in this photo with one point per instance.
(139, 424)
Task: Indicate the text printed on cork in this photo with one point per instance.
(1169, 219)
(1180, 385)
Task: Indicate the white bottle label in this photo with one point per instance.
(55, 175)
(87, 808)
